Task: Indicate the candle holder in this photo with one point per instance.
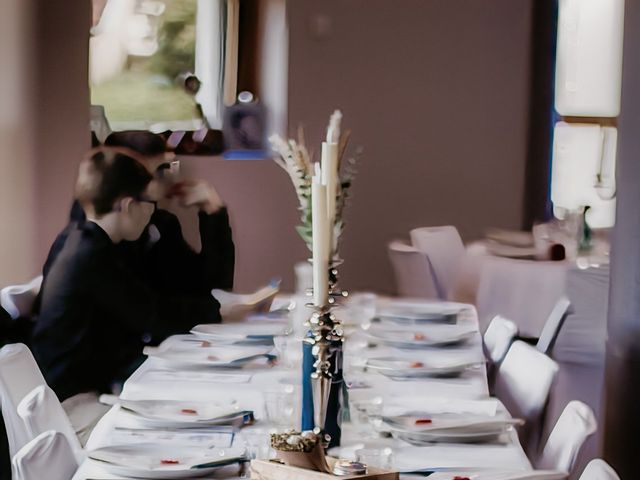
(322, 380)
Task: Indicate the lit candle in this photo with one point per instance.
(320, 238)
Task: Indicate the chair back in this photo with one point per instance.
(19, 374)
(445, 251)
(598, 469)
(552, 325)
(413, 272)
(49, 455)
(41, 411)
(523, 383)
(18, 300)
(522, 290)
(576, 423)
(498, 338)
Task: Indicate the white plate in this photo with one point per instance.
(177, 413)
(412, 338)
(240, 332)
(200, 355)
(514, 238)
(146, 460)
(509, 251)
(447, 427)
(425, 313)
(398, 368)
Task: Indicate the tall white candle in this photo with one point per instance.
(333, 131)
(320, 241)
(330, 179)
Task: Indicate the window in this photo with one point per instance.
(144, 55)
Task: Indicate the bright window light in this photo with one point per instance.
(583, 173)
(589, 57)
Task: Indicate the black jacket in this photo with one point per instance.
(96, 315)
(168, 264)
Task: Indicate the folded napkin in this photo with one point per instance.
(18, 300)
(235, 307)
(177, 376)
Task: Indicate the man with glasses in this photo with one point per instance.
(161, 257)
(94, 311)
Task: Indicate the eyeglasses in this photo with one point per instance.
(145, 199)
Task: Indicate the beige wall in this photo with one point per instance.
(61, 132)
(43, 125)
(437, 93)
(17, 164)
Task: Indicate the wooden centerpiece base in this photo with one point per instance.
(265, 470)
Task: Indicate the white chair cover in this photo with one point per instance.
(413, 272)
(445, 251)
(598, 469)
(41, 411)
(498, 338)
(48, 456)
(522, 290)
(523, 382)
(19, 375)
(573, 427)
(18, 300)
(552, 325)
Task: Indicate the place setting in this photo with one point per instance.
(208, 356)
(417, 313)
(250, 333)
(421, 428)
(398, 368)
(421, 337)
(150, 460)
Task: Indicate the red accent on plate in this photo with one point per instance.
(418, 336)
(189, 411)
(417, 365)
(461, 478)
(169, 462)
(423, 421)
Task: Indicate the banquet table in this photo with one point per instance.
(249, 386)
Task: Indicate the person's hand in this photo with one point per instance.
(197, 193)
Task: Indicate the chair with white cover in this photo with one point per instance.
(41, 411)
(445, 251)
(49, 456)
(553, 324)
(598, 469)
(413, 272)
(498, 338)
(19, 375)
(18, 300)
(576, 423)
(523, 382)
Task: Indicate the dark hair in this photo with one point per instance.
(108, 174)
(145, 143)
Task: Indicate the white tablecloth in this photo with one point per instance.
(154, 381)
(524, 291)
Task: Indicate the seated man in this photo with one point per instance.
(165, 259)
(94, 311)
(161, 257)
